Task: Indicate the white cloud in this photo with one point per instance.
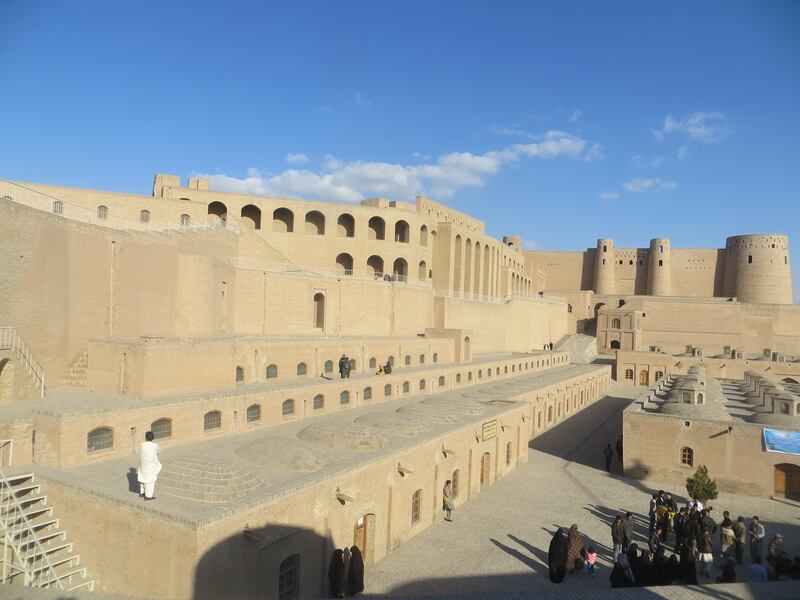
(608, 195)
(529, 245)
(706, 127)
(643, 184)
(362, 99)
(575, 115)
(639, 161)
(683, 152)
(297, 159)
(443, 177)
(420, 156)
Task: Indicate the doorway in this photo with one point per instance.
(485, 468)
(787, 481)
(364, 536)
(643, 378)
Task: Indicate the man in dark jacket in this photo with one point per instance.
(679, 525)
(707, 522)
(655, 541)
(739, 538)
(617, 536)
(627, 528)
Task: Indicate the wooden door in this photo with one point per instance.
(787, 481)
(360, 536)
(643, 379)
(780, 482)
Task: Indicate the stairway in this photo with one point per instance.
(76, 376)
(35, 549)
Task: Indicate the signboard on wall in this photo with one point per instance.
(786, 442)
(489, 430)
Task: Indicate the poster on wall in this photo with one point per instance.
(787, 442)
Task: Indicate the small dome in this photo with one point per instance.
(344, 436)
(290, 454)
(394, 424)
(465, 406)
(206, 479)
(428, 412)
(778, 419)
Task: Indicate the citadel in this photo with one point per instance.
(216, 320)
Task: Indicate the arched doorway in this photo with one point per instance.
(218, 209)
(319, 311)
(364, 537)
(467, 350)
(643, 378)
(597, 309)
(485, 468)
(787, 481)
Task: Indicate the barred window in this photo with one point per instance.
(289, 578)
(329, 366)
(102, 212)
(253, 413)
(239, 375)
(367, 393)
(421, 384)
(373, 364)
(162, 429)
(287, 408)
(101, 438)
(344, 397)
(508, 453)
(302, 369)
(687, 457)
(212, 420)
(406, 387)
(272, 371)
(408, 360)
(455, 481)
(435, 357)
(416, 500)
(441, 381)
(144, 216)
(628, 373)
(319, 401)
(387, 389)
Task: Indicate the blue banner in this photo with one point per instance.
(787, 442)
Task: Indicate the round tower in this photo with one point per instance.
(659, 268)
(604, 278)
(757, 269)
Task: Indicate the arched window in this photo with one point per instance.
(253, 413)
(377, 229)
(539, 419)
(58, 207)
(401, 232)
(272, 371)
(659, 375)
(569, 308)
(458, 377)
(375, 266)
(162, 429)
(390, 360)
(441, 380)
(186, 220)
(287, 408)
(289, 578)
(505, 370)
(302, 369)
(513, 368)
(549, 414)
(629, 374)
(367, 393)
(344, 397)
(435, 358)
(406, 387)
(416, 502)
(315, 223)
(219, 210)
(467, 349)
(687, 457)
(319, 311)
(749, 259)
(344, 264)
(282, 220)
(469, 375)
(480, 373)
(421, 384)
(373, 364)
(422, 359)
(251, 215)
(328, 366)
(700, 398)
(239, 375)
(387, 389)
(407, 360)
(400, 269)
(345, 226)
(508, 454)
(422, 271)
(352, 364)
(212, 421)
(102, 212)
(423, 235)
(319, 402)
(615, 323)
(144, 216)
(98, 439)
(455, 481)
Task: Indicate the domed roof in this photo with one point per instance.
(205, 479)
(707, 410)
(291, 454)
(394, 424)
(463, 405)
(428, 412)
(353, 437)
(778, 419)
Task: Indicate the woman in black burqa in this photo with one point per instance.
(355, 578)
(336, 574)
(557, 556)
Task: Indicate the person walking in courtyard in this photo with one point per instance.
(627, 527)
(336, 574)
(447, 500)
(348, 365)
(608, 453)
(341, 366)
(355, 576)
(149, 467)
(574, 549)
(617, 537)
(757, 533)
(619, 449)
(739, 532)
(706, 552)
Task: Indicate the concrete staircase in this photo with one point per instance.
(76, 376)
(36, 551)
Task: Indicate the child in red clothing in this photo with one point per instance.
(591, 557)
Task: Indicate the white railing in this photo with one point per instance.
(15, 192)
(6, 453)
(25, 555)
(315, 271)
(11, 340)
(461, 295)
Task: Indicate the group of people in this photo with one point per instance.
(344, 367)
(567, 554)
(608, 453)
(693, 547)
(346, 572)
(384, 369)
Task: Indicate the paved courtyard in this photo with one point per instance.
(499, 539)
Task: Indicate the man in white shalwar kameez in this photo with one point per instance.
(149, 467)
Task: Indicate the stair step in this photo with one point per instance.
(48, 536)
(19, 477)
(19, 489)
(15, 516)
(63, 574)
(51, 548)
(37, 526)
(57, 562)
(27, 500)
(89, 583)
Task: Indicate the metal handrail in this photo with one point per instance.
(15, 192)
(19, 525)
(11, 340)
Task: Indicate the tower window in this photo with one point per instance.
(660, 263)
(749, 259)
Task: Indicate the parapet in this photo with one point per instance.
(164, 181)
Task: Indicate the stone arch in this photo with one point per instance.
(251, 214)
(457, 264)
(376, 229)
(422, 271)
(467, 348)
(400, 269)
(597, 308)
(219, 210)
(282, 220)
(401, 232)
(319, 310)
(423, 235)
(346, 226)
(344, 264)
(375, 266)
(315, 223)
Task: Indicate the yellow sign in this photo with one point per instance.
(489, 430)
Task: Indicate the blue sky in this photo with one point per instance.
(561, 122)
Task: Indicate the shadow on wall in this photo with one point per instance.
(267, 562)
